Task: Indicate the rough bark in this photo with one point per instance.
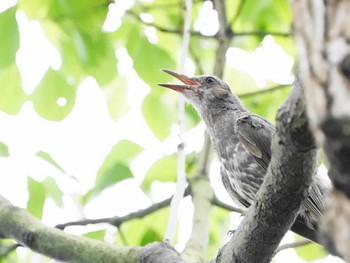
(284, 189)
(322, 34)
(18, 224)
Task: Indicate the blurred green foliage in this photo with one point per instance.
(74, 28)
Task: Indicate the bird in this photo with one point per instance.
(242, 142)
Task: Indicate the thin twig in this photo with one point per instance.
(258, 92)
(295, 244)
(116, 220)
(222, 37)
(259, 33)
(158, 27)
(229, 34)
(226, 206)
(181, 180)
(165, 6)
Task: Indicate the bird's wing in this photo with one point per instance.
(255, 133)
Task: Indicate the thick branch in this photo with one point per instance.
(285, 187)
(18, 224)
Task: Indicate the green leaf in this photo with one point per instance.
(53, 190)
(12, 95)
(159, 115)
(47, 157)
(124, 152)
(116, 96)
(75, 28)
(192, 117)
(94, 54)
(164, 170)
(9, 36)
(54, 98)
(311, 252)
(5, 246)
(97, 235)
(244, 83)
(172, 18)
(86, 16)
(4, 150)
(115, 173)
(130, 232)
(37, 196)
(149, 236)
(103, 62)
(71, 66)
(266, 15)
(143, 230)
(191, 164)
(115, 167)
(34, 9)
(148, 58)
(266, 104)
(220, 222)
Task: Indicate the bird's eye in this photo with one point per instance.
(210, 80)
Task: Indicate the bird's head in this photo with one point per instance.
(204, 92)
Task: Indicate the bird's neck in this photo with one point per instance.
(221, 125)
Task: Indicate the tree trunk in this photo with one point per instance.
(322, 36)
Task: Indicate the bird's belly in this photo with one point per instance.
(242, 177)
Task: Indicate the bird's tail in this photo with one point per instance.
(301, 228)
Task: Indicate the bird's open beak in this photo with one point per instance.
(190, 84)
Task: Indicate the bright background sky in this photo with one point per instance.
(81, 141)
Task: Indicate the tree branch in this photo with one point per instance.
(295, 244)
(181, 180)
(259, 34)
(118, 221)
(202, 195)
(222, 37)
(258, 92)
(230, 34)
(218, 203)
(18, 224)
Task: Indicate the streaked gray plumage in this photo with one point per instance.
(242, 142)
